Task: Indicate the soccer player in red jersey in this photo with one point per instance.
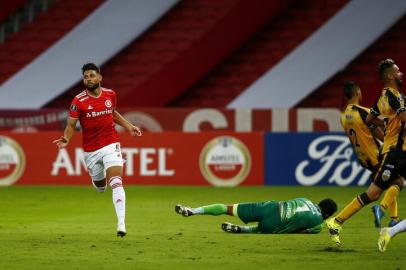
(95, 108)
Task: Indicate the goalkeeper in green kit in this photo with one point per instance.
(293, 216)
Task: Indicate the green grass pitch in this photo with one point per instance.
(48, 227)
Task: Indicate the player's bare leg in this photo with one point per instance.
(389, 202)
(114, 178)
(334, 224)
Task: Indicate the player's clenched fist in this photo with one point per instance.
(135, 131)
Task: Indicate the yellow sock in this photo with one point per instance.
(349, 210)
(390, 196)
(393, 210)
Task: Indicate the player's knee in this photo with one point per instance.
(367, 198)
(115, 182)
(399, 183)
(230, 210)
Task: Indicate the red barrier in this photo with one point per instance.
(169, 158)
(188, 119)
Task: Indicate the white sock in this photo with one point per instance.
(116, 185)
(198, 211)
(400, 227)
(99, 189)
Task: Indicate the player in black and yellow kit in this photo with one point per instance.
(363, 138)
(391, 105)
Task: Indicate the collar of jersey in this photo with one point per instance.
(101, 92)
(393, 90)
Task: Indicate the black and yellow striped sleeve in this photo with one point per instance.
(374, 110)
(363, 113)
(397, 102)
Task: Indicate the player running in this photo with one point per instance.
(391, 105)
(367, 148)
(95, 108)
(293, 216)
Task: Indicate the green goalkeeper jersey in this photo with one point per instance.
(299, 215)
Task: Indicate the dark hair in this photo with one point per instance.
(327, 207)
(349, 89)
(383, 66)
(90, 66)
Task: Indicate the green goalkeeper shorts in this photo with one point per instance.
(265, 213)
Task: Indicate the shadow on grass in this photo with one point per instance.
(336, 249)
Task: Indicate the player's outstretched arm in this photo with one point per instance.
(68, 133)
(120, 120)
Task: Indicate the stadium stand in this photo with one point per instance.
(363, 70)
(182, 55)
(322, 55)
(109, 29)
(264, 49)
(180, 49)
(10, 7)
(41, 33)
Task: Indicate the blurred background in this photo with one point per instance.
(228, 92)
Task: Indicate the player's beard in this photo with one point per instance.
(93, 87)
(399, 82)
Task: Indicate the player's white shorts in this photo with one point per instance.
(97, 162)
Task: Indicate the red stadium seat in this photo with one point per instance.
(37, 36)
(260, 53)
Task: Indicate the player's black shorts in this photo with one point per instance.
(373, 170)
(391, 167)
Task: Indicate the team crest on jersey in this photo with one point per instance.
(73, 107)
(386, 175)
(108, 103)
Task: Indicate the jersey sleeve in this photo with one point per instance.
(375, 110)
(363, 113)
(397, 102)
(74, 109)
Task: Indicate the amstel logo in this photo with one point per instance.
(12, 161)
(225, 161)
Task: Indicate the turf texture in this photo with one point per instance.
(51, 227)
